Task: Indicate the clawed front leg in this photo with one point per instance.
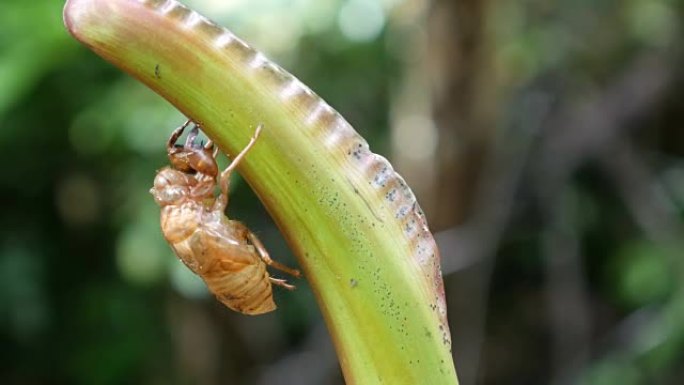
(176, 134)
(190, 140)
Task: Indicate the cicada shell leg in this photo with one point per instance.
(224, 181)
(210, 146)
(190, 140)
(254, 240)
(176, 134)
(281, 282)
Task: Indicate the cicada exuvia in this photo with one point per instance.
(224, 253)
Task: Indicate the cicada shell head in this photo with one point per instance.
(191, 160)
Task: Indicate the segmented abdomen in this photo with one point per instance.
(229, 266)
(246, 289)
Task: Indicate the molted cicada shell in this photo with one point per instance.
(224, 253)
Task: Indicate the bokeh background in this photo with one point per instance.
(544, 140)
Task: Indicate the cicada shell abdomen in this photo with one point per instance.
(233, 272)
(224, 253)
(243, 288)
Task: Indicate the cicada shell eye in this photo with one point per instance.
(170, 186)
(169, 195)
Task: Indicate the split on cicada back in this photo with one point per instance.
(224, 253)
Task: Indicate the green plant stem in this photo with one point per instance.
(352, 222)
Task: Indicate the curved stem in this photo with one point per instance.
(350, 219)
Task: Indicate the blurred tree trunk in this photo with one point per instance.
(463, 92)
(463, 103)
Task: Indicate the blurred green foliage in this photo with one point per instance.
(642, 275)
